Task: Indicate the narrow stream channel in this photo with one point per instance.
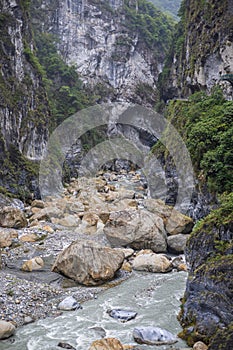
(155, 297)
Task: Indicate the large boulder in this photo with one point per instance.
(153, 336)
(88, 263)
(137, 229)
(7, 329)
(7, 236)
(174, 221)
(177, 243)
(152, 263)
(122, 315)
(12, 217)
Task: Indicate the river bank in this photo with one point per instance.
(155, 298)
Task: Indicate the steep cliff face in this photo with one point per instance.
(107, 42)
(23, 104)
(23, 109)
(203, 51)
(207, 306)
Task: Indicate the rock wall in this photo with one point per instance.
(96, 38)
(203, 50)
(23, 105)
(207, 305)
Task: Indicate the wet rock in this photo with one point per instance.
(65, 346)
(12, 218)
(152, 263)
(175, 222)
(28, 320)
(99, 331)
(88, 263)
(137, 229)
(34, 264)
(122, 315)
(69, 304)
(106, 344)
(177, 243)
(200, 346)
(6, 237)
(7, 329)
(153, 336)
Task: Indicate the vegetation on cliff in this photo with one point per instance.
(195, 62)
(152, 25)
(206, 306)
(24, 110)
(168, 6)
(64, 87)
(206, 125)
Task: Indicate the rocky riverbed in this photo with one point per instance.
(107, 223)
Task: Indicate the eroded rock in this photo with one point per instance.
(153, 336)
(12, 218)
(174, 221)
(69, 304)
(34, 264)
(122, 315)
(137, 229)
(152, 263)
(88, 263)
(177, 243)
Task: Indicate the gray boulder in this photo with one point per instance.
(69, 304)
(137, 229)
(88, 263)
(177, 243)
(122, 315)
(153, 336)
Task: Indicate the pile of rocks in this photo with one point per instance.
(96, 228)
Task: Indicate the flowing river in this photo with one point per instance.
(155, 297)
